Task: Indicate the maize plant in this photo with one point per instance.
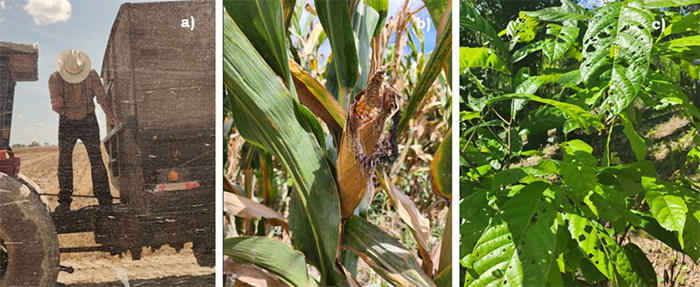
(340, 154)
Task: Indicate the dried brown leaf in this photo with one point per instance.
(247, 208)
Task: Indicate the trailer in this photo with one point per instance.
(158, 70)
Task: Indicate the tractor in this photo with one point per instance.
(160, 81)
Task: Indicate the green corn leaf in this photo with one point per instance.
(267, 115)
(638, 144)
(517, 248)
(315, 97)
(445, 262)
(262, 22)
(288, 10)
(441, 168)
(480, 58)
(617, 50)
(438, 58)
(437, 9)
(274, 256)
(444, 278)
(471, 19)
(335, 19)
(383, 253)
(364, 22)
(382, 8)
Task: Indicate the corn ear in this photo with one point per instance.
(365, 123)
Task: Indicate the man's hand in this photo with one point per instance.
(57, 104)
(112, 122)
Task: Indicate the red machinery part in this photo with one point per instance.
(9, 163)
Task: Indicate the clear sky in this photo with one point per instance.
(394, 6)
(56, 25)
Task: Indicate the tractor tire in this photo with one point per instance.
(33, 187)
(28, 241)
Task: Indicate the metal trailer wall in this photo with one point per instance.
(162, 87)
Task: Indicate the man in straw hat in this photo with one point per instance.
(72, 89)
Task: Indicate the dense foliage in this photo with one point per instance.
(557, 162)
(325, 147)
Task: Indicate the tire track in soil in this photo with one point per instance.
(163, 267)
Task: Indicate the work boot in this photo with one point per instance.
(62, 208)
(105, 202)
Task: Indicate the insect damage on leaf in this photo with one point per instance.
(365, 143)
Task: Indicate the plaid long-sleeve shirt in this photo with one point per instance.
(78, 98)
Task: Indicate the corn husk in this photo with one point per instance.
(355, 164)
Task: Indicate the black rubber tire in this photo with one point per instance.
(29, 236)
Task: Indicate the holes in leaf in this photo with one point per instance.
(505, 282)
(503, 250)
(590, 255)
(533, 261)
(522, 243)
(533, 220)
(588, 229)
(497, 273)
(581, 238)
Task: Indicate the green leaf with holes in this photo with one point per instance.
(567, 12)
(517, 248)
(562, 38)
(617, 50)
(471, 19)
(475, 213)
(480, 58)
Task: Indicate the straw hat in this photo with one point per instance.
(73, 66)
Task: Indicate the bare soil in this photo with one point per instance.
(163, 267)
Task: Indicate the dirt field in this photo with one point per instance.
(163, 267)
